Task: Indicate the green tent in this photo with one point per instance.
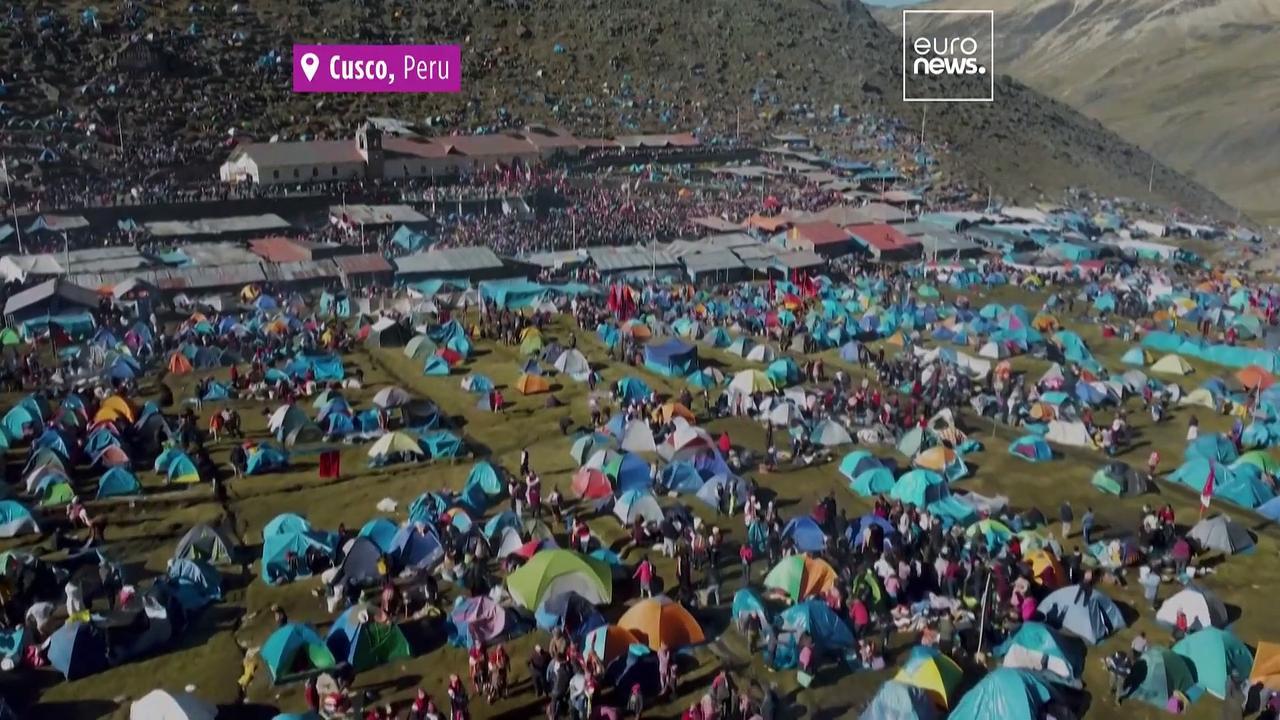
(1215, 654)
(1158, 674)
(1117, 478)
(554, 572)
(1259, 459)
(364, 644)
(9, 336)
(58, 493)
(295, 650)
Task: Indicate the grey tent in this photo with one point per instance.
(1117, 478)
(1222, 534)
(388, 333)
(360, 566)
(1087, 614)
(1201, 607)
(204, 543)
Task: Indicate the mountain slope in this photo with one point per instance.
(601, 67)
(1196, 82)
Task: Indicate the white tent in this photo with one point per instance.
(637, 437)
(762, 354)
(994, 350)
(572, 362)
(164, 705)
(783, 414)
(1171, 365)
(1024, 658)
(1072, 433)
(1202, 608)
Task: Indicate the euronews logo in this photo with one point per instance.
(947, 55)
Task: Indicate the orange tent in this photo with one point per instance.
(674, 410)
(608, 642)
(1266, 666)
(113, 408)
(532, 384)
(659, 621)
(637, 330)
(1046, 568)
(1254, 377)
(179, 364)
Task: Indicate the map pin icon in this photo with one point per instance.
(309, 64)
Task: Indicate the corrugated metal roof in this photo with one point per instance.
(208, 277)
(757, 251)
(712, 261)
(448, 260)
(797, 259)
(217, 226)
(46, 291)
(219, 253)
(300, 271)
(560, 258)
(634, 257)
(370, 263)
(377, 214)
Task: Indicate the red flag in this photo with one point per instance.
(1207, 493)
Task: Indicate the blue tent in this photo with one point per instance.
(1134, 356)
(1031, 448)
(408, 239)
(195, 583)
(1004, 694)
(681, 477)
(15, 519)
(900, 701)
(265, 458)
(436, 366)
(820, 622)
(77, 650)
(116, 482)
(672, 358)
(632, 389)
(1037, 646)
(294, 648)
(18, 421)
(858, 462)
(494, 527)
(285, 523)
(486, 477)
(876, 481)
(1212, 446)
(362, 644)
(633, 474)
(277, 548)
(441, 444)
(805, 534)
(747, 602)
(1090, 616)
(381, 531)
(718, 338)
(416, 547)
(710, 490)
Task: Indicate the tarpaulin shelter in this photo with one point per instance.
(659, 621)
(1004, 694)
(1215, 655)
(933, 672)
(295, 650)
(554, 572)
(1090, 616)
(363, 643)
(801, 576)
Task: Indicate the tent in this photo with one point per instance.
(1215, 654)
(1117, 478)
(816, 619)
(277, 547)
(205, 543)
(436, 366)
(1004, 694)
(1089, 615)
(265, 458)
(555, 572)
(1158, 675)
(608, 643)
(876, 481)
(928, 669)
(1266, 666)
(1031, 448)
(195, 583)
(672, 358)
(361, 563)
(529, 384)
(77, 650)
(943, 460)
(1201, 607)
(294, 650)
(637, 437)
(900, 701)
(573, 363)
(164, 705)
(1136, 356)
(1171, 365)
(829, 433)
(801, 576)
(591, 484)
(478, 618)
(658, 621)
(417, 547)
(16, 519)
(381, 531)
(1222, 534)
(634, 504)
(805, 534)
(362, 643)
(858, 462)
(393, 446)
(1215, 447)
(116, 482)
(1035, 646)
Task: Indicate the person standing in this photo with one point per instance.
(1065, 516)
(1086, 525)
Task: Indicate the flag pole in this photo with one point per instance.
(17, 226)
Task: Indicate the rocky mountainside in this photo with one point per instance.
(1196, 82)
(600, 67)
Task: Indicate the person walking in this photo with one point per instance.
(1065, 516)
(1086, 525)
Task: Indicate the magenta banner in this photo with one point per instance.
(377, 68)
